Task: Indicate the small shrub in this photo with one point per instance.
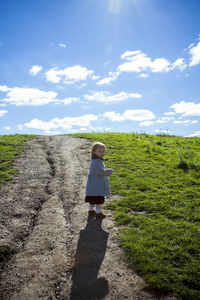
(183, 165)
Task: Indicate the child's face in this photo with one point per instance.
(100, 152)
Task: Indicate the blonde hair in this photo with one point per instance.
(97, 145)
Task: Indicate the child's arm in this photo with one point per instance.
(99, 169)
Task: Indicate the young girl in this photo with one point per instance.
(97, 184)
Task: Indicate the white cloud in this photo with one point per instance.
(52, 75)
(181, 122)
(29, 96)
(82, 85)
(82, 121)
(185, 122)
(170, 113)
(65, 123)
(4, 88)
(190, 46)
(195, 55)
(69, 100)
(131, 115)
(38, 124)
(186, 108)
(113, 116)
(180, 64)
(35, 69)
(107, 80)
(164, 119)
(107, 97)
(62, 45)
(7, 127)
(196, 134)
(69, 75)
(160, 65)
(136, 61)
(20, 127)
(76, 130)
(95, 77)
(138, 115)
(128, 54)
(3, 112)
(82, 128)
(146, 123)
(143, 75)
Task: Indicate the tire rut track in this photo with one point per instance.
(42, 252)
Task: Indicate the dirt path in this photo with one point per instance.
(60, 253)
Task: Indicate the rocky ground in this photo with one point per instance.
(56, 250)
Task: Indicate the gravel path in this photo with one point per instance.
(60, 253)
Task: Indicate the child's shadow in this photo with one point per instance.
(90, 253)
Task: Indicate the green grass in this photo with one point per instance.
(10, 147)
(158, 179)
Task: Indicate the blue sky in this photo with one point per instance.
(71, 66)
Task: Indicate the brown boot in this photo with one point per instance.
(100, 215)
(91, 213)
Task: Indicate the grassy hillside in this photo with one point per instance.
(158, 179)
(10, 147)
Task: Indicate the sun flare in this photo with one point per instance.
(114, 6)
